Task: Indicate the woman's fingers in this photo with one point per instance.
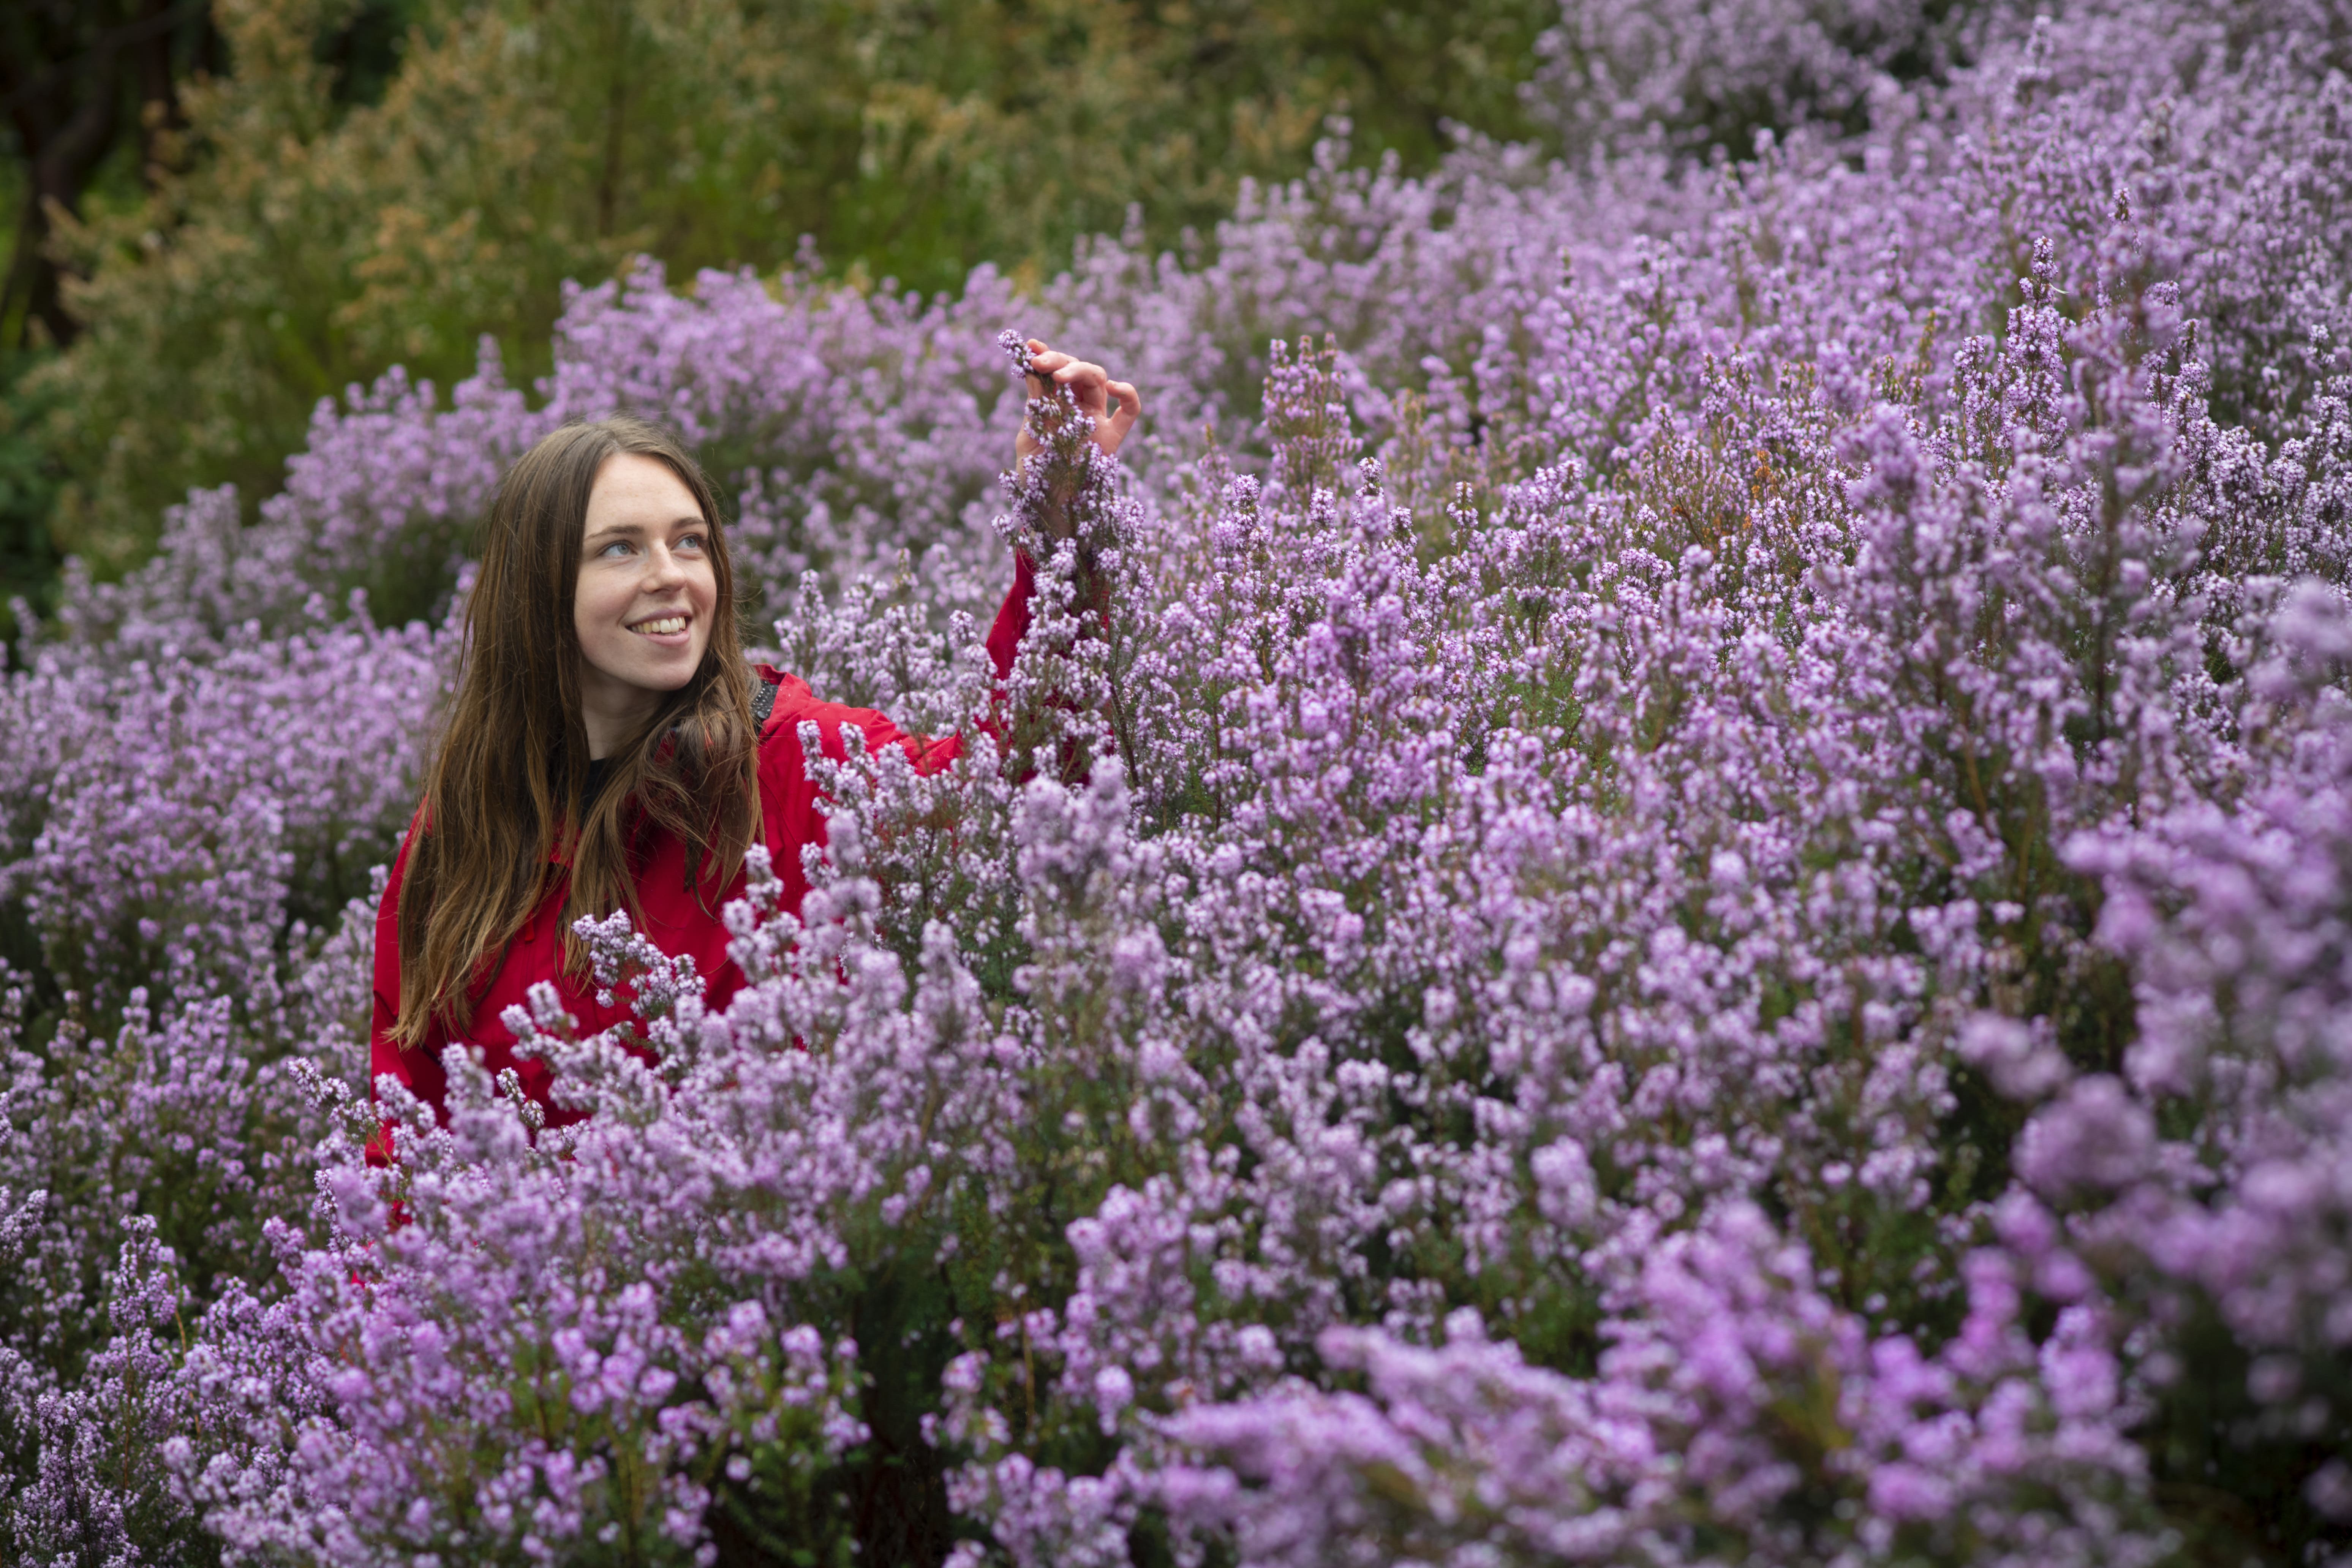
(1089, 384)
(1087, 381)
(1091, 388)
(1043, 361)
(1130, 408)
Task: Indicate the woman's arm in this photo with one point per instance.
(788, 797)
(1114, 406)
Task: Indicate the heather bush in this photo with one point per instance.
(1691, 907)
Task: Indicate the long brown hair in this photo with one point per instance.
(510, 782)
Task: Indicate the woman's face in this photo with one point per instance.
(646, 590)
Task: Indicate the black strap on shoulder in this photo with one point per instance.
(763, 703)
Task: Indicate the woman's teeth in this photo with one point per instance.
(666, 625)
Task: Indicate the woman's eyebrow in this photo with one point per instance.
(637, 529)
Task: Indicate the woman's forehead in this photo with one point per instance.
(638, 491)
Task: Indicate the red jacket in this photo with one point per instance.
(675, 920)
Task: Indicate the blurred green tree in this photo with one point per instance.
(87, 90)
(91, 116)
(297, 234)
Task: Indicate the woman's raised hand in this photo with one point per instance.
(1093, 388)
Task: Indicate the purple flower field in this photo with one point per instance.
(1697, 907)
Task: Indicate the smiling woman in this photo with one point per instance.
(604, 750)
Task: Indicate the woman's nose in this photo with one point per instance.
(662, 569)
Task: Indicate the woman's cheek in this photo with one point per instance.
(706, 594)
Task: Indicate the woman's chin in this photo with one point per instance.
(670, 674)
(663, 674)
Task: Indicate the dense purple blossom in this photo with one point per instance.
(1694, 905)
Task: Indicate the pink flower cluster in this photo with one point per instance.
(1695, 905)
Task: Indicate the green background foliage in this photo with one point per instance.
(321, 189)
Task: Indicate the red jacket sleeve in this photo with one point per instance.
(417, 1070)
(1012, 615)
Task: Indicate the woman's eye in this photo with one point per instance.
(691, 541)
(618, 547)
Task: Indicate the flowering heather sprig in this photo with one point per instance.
(1065, 511)
(1061, 493)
